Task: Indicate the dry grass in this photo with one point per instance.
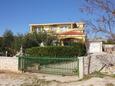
(94, 74)
(109, 84)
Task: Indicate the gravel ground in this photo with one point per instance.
(33, 79)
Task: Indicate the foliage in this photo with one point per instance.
(8, 41)
(70, 43)
(109, 42)
(101, 22)
(12, 43)
(34, 39)
(82, 50)
(94, 74)
(1, 42)
(18, 41)
(45, 60)
(30, 41)
(56, 51)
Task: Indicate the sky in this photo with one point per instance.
(16, 15)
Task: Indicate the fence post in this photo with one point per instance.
(81, 67)
(21, 64)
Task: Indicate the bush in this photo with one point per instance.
(109, 42)
(57, 51)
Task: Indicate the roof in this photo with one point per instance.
(57, 23)
(73, 32)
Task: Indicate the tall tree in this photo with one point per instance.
(18, 42)
(104, 13)
(1, 43)
(8, 41)
(35, 39)
(29, 41)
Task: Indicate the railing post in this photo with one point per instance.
(81, 67)
(21, 64)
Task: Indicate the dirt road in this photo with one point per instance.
(27, 79)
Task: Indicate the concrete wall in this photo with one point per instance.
(97, 61)
(95, 64)
(95, 47)
(9, 64)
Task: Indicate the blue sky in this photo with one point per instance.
(16, 15)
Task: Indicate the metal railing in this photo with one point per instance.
(52, 65)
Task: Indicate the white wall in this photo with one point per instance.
(9, 64)
(95, 47)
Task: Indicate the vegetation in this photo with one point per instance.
(30, 61)
(31, 45)
(12, 43)
(109, 41)
(94, 74)
(100, 23)
(57, 51)
(7, 42)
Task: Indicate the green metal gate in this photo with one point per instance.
(63, 65)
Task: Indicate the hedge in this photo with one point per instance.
(56, 51)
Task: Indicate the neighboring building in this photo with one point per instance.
(95, 46)
(100, 45)
(68, 31)
(110, 48)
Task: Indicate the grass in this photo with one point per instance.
(91, 85)
(109, 84)
(98, 74)
(94, 74)
(113, 75)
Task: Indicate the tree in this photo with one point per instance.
(8, 41)
(51, 40)
(35, 39)
(12, 43)
(104, 13)
(29, 41)
(1, 43)
(18, 42)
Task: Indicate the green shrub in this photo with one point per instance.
(56, 51)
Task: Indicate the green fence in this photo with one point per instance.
(63, 65)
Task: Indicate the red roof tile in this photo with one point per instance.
(71, 33)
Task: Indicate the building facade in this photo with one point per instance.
(67, 31)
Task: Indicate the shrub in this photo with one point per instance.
(56, 51)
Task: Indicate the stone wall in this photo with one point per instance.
(95, 64)
(9, 64)
(98, 61)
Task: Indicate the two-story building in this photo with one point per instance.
(67, 31)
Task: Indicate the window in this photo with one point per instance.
(75, 26)
(64, 28)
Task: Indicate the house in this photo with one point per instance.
(65, 32)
